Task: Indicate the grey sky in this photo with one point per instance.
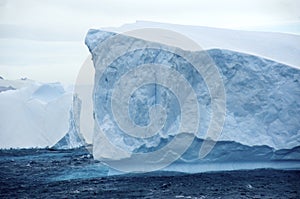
(43, 39)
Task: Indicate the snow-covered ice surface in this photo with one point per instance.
(280, 47)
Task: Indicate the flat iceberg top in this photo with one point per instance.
(279, 47)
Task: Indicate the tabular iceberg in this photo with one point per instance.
(262, 103)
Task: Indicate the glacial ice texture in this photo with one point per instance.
(262, 98)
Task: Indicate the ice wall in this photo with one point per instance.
(262, 98)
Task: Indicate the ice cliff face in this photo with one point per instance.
(262, 98)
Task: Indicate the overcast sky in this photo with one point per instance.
(44, 39)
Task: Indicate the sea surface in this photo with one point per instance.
(48, 173)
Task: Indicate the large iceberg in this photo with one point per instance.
(262, 103)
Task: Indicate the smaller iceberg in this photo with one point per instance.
(73, 138)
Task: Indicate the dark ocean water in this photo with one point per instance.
(44, 173)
